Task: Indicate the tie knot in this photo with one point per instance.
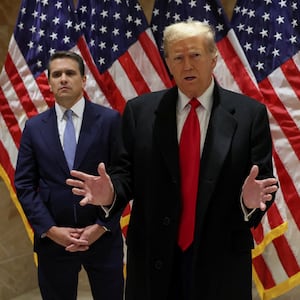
(194, 103)
(68, 114)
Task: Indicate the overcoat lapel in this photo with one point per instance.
(165, 131)
(222, 126)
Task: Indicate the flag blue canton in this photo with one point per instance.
(173, 11)
(43, 27)
(268, 32)
(110, 27)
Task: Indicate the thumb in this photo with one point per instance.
(253, 172)
(101, 169)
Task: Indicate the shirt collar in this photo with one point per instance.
(77, 109)
(206, 99)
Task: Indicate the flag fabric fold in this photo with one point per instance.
(269, 36)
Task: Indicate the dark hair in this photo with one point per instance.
(67, 54)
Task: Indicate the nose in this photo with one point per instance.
(63, 77)
(187, 63)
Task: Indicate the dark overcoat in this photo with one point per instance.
(238, 137)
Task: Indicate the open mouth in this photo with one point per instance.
(189, 78)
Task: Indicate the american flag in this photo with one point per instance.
(125, 59)
(120, 53)
(269, 36)
(259, 56)
(40, 30)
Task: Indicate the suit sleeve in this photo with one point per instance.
(261, 153)
(27, 184)
(111, 220)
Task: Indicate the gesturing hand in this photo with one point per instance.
(96, 190)
(256, 193)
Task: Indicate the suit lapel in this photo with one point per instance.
(49, 133)
(88, 131)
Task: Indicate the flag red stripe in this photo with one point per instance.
(42, 82)
(133, 74)
(105, 81)
(6, 163)
(288, 190)
(263, 272)
(291, 73)
(19, 87)
(258, 233)
(286, 256)
(281, 115)
(274, 216)
(9, 119)
(154, 56)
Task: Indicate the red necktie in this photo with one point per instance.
(189, 156)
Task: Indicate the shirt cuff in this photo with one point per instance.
(107, 209)
(247, 212)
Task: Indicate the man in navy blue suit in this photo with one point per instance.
(68, 236)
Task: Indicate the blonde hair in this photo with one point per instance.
(186, 29)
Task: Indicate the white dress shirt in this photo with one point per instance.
(203, 111)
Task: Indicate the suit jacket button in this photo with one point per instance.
(158, 265)
(166, 221)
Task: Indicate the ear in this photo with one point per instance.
(84, 79)
(214, 61)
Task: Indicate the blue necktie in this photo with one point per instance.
(69, 139)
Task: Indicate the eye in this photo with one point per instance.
(56, 74)
(178, 58)
(70, 73)
(195, 55)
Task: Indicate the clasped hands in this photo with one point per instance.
(98, 190)
(75, 239)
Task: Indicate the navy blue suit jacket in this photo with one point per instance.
(42, 170)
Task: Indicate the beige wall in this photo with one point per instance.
(17, 268)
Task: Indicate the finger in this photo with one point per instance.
(78, 191)
(80, 175)
(82, 248)
(71, 248)
(79, 242)
(84, 201)
(270, 189)
(262, 206)
(74, 182)
(75, 235)
(270, 182)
